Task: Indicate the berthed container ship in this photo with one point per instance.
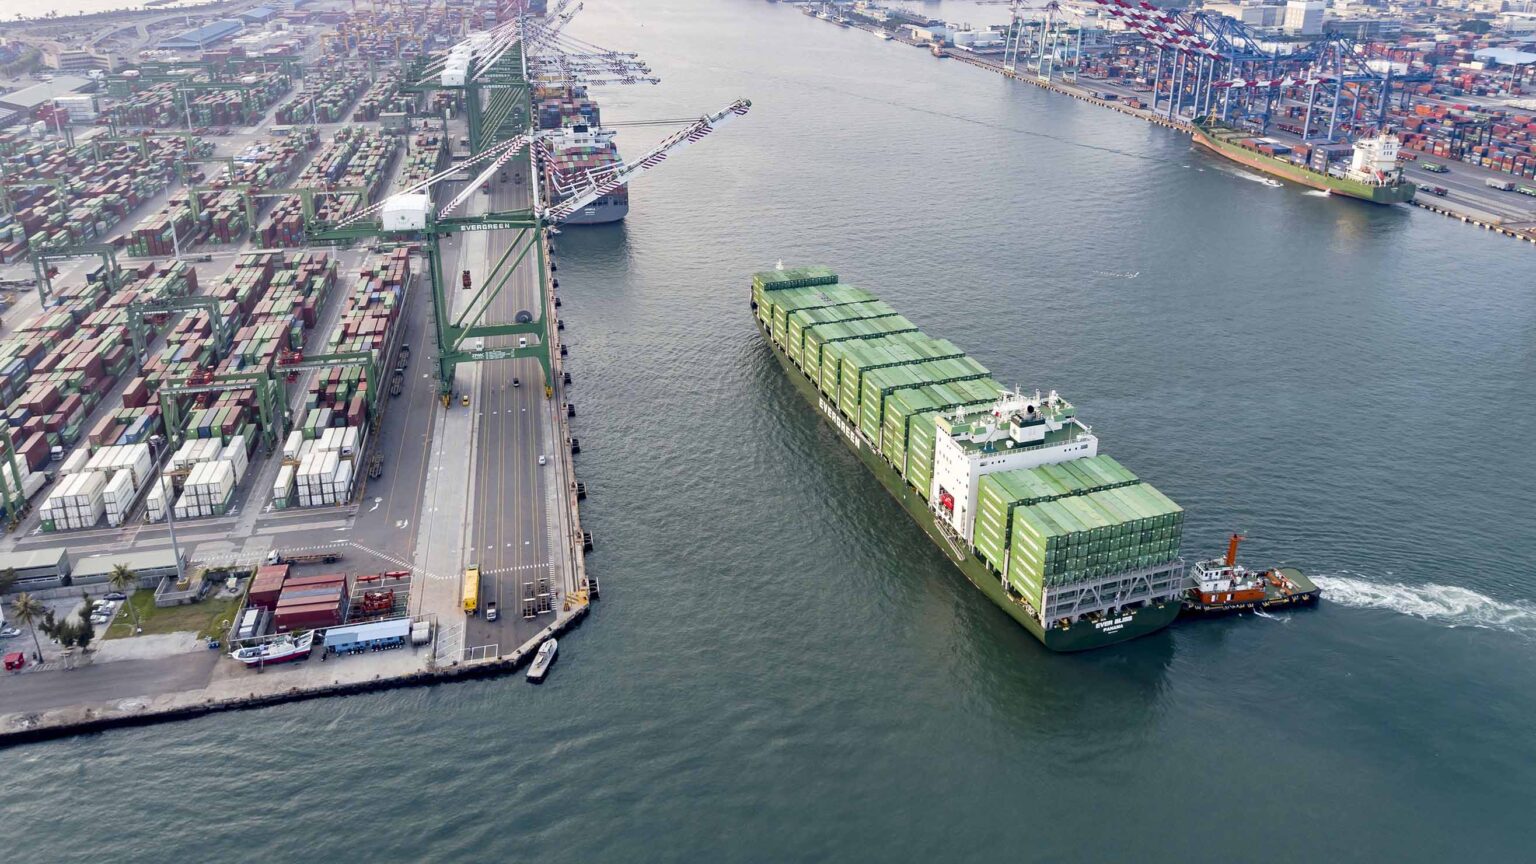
(577, 148)
(1009, 485)
(1373, 173)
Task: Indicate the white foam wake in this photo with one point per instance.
(1444, 604)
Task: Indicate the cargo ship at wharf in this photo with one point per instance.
(575, 147)
(1010, 486)
(1373, 173)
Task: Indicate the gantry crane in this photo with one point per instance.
(411, 218)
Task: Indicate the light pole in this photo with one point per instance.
(156, 446)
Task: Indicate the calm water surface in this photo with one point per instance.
(783, 669)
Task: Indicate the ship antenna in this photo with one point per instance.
(779, 266)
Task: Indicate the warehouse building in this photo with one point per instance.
(150, 567)
(38, 569)
(259, 15)
(197, 39)
(30, 98)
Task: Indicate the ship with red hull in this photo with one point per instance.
(1222, 586)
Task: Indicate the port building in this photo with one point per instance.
(202, 37)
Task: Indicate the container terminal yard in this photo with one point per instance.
(281, 350)
(1290, 86)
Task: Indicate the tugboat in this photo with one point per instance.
(280, 650)
(1223, 586)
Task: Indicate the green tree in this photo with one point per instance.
(82, 632)
(29, 610)
(1476, 25)
(8, 579)
(122, 578)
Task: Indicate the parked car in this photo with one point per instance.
(9, 632)
(117, 595)
(543, 459)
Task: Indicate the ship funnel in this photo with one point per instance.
(1232, 549)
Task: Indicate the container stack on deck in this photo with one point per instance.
(558, 107)
(1038, 529)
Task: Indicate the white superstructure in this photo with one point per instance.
(1375, 160)
(1018, 431)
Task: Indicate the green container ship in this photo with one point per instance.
(1373, 173)
(1010, 486)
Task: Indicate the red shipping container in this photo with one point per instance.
(34, 451)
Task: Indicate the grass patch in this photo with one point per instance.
(204, 617)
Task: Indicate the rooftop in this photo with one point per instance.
(1505, 56)
(30, 97)
(203, 36)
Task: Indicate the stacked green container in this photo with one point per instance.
(920, 434)
(800, 319)
(999, 493)
(1090, 536)
(913, 348)
(880, 383)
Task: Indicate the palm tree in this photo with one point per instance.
(8, 578)
(29, 610)
(122, 578)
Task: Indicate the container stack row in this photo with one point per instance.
(426, 154)
(321, 454)
(382, 98)
(271, 163)
(96, 483)
(324, 98)
(240, 102)
(354, 157)
(85, 190)
(57, 367)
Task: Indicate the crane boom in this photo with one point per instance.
(601, 185)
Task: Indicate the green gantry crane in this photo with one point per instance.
(490, 70)
(42, 257)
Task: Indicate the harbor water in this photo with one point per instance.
(782, 668)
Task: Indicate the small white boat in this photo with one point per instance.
(884, 36)
(279, 650)
(542, 661)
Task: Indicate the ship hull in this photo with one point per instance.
(604, 215)
(287, 657)
(1402, 193)
(1082, 636)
